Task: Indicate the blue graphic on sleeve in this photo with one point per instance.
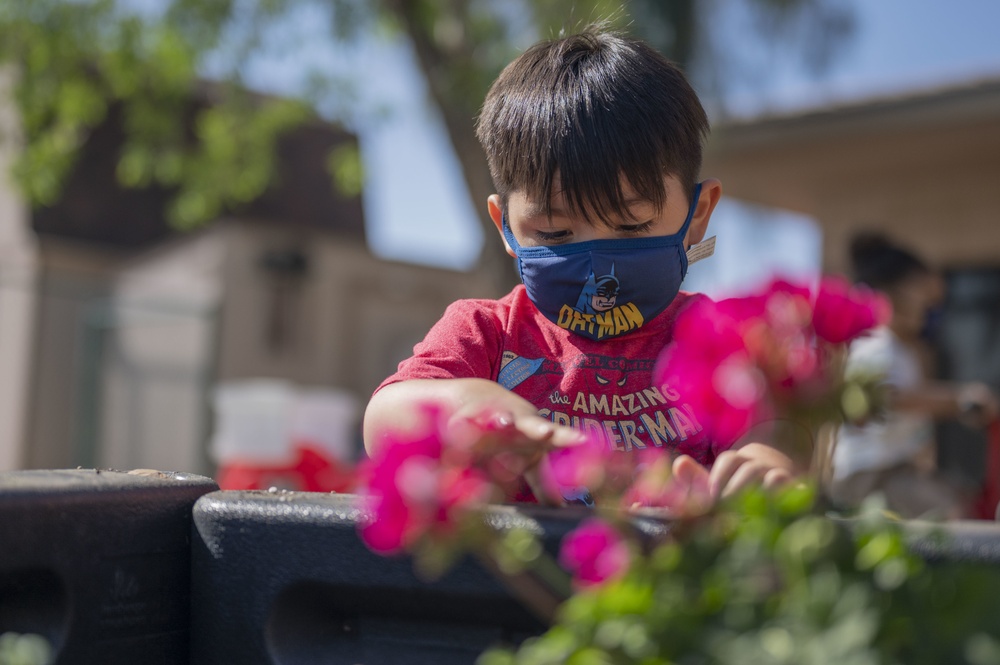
(517, 370)
(577, 496)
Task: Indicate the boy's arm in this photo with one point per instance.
(395, 407)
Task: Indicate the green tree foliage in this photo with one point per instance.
(78, 62)
(74, 62)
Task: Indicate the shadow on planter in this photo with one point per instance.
(34, 600)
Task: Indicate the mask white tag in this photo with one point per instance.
(701, 250)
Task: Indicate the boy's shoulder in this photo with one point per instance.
(516, 303)
(498, 306)
(514, 309)
(681, 302)
(685, 299)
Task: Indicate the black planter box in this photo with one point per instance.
(98, 562)
(283, 577)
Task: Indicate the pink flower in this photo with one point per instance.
(681, 486)
(594, 552)
(590, 465)
(780, 338)
(843, 312)
(781, 303)
(413, 487)
(739, 361)
(710, 364)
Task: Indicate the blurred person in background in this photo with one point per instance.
(895, 454)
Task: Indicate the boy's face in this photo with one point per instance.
(531, 227)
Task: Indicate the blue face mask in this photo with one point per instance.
(604, 288)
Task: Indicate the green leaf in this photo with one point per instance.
(878, 548)
(345, 166)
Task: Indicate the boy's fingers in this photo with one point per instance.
(549, 436)
(726, 464)
(686, 469)
(566, 436)
(745, 475)
(541, 430)
(776, 478)
(534, 479)
(537, 429)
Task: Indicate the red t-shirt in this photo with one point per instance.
(603, 387)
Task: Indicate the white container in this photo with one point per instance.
(327, 420)
(252, 423)
(264, 422)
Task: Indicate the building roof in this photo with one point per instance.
(783, 160)
(971, 99)
(95, 208)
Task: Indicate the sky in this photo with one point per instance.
(418, 211)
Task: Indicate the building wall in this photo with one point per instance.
(201, 312)
(948, 213)
(922, 169)
(73, 282)
(18, 269)
(346, 322)
(157, 356)
(120, 353)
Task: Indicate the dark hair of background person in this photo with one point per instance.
(880, 263)
(589, 109)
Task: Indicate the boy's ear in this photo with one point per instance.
(496, 214)
(711, 192)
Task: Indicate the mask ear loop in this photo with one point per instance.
(696, 194)
(685, 263)
(508, 234)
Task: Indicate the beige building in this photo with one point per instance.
(923, 167)
(115, 330)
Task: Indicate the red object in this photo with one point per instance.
(312, 471)
(986, 506)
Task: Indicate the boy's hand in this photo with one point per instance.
(749, 464)
(528, 427)
(472, 400)
(523, 427)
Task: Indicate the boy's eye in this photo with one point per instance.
(565, 235)
(633, 229)
(552, 236)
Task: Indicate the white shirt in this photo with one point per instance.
(900, 436)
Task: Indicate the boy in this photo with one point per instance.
(594, 143)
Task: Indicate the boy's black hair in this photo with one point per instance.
(591, 109)
(881, 264)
